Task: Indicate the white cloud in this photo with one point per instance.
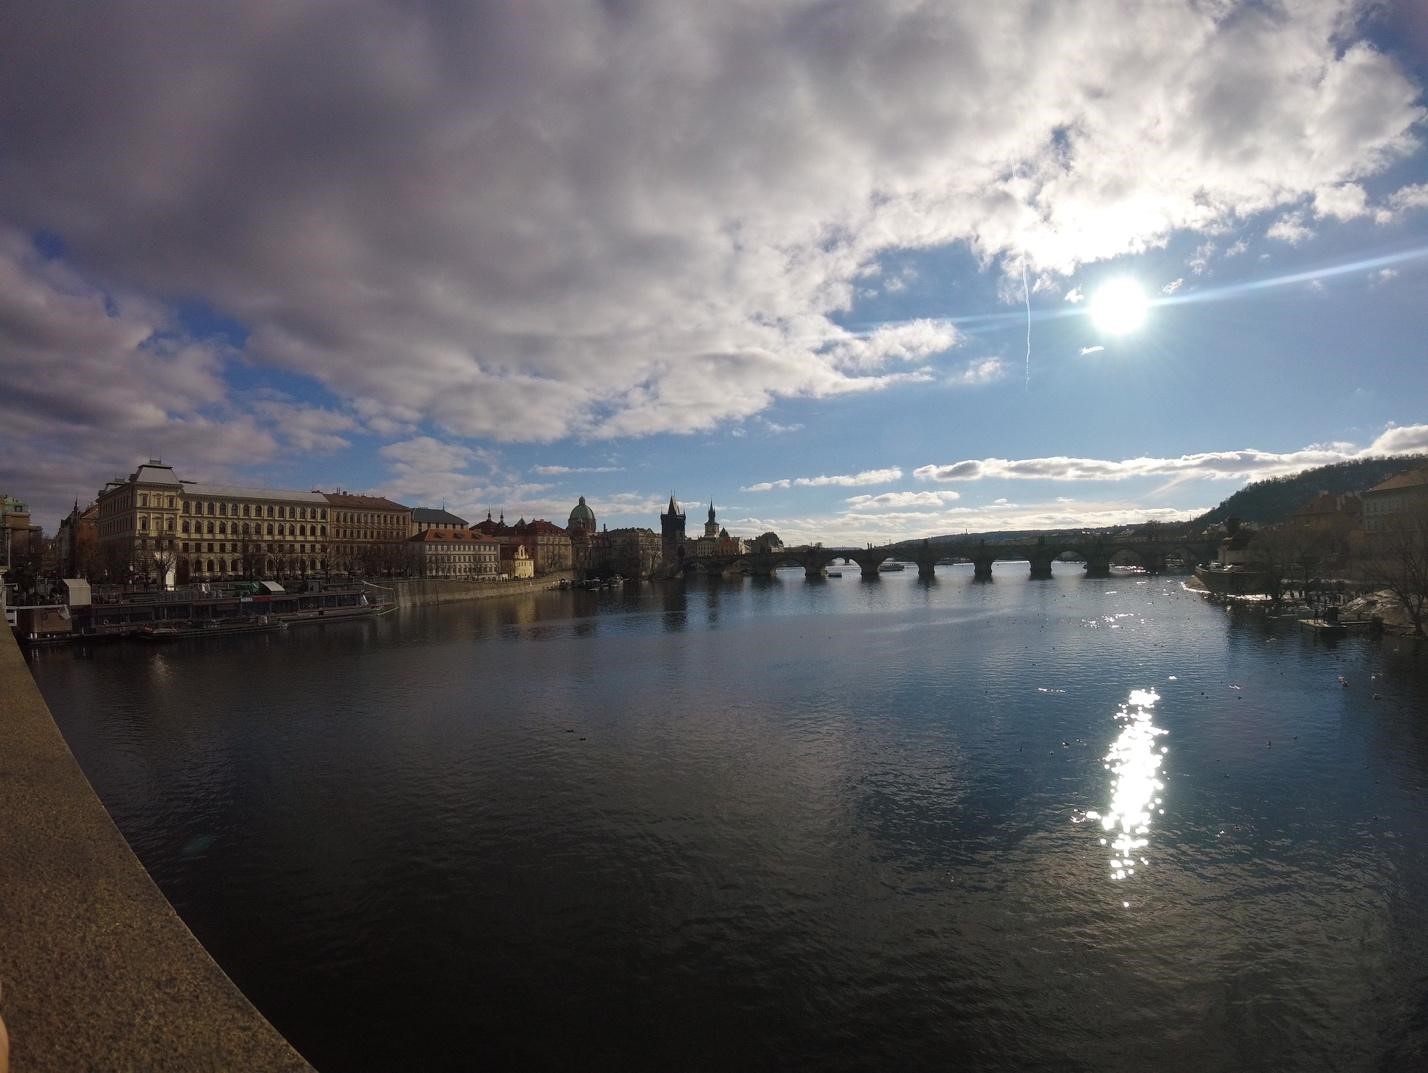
(1075, 296)
(1343, 202)
(1200, 263)
(1173, 286)
(1404, 200)
(980, 371)
(905, 500)
(1236, 248)
(1096, 349)
(1245, 464)
(533, 221)
(1290, 228)
(1383, 275)
(847, 480)
(561, 471)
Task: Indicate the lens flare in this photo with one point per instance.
(1120, 307)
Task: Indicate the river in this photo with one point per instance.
(844, 825)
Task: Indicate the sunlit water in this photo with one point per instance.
(848, 825)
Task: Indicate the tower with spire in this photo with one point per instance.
(711, 527)
(671, 529)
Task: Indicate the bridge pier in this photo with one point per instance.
(869, 561)
(1098, 566)
(981, 569)
(1041, 568)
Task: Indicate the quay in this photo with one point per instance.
(98, 971)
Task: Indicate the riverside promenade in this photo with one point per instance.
(98, 971)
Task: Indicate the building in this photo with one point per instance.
(632, 552)
(520, 563)
(368, 534)
(546, 544)
(155, 527)
(708, 544)
(424, 518)
(1396, 502)
(21, 538)
(671, 529)
(580, 527)
(139, 524)
(461, 554)
(77, 542)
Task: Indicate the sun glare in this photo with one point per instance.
(1119, 307)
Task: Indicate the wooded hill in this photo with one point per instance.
(1274, 500)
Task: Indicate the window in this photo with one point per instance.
(210, 506)
(222, 529)
(143, 500)
(245, 510)
(171, 525)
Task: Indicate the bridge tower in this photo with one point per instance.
(671, 530)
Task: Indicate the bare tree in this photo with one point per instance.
(1397, 560)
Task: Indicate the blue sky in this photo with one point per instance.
(778, 255)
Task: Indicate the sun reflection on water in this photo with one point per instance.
(1134, 762)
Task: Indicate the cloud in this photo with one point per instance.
(1404, 200)
(561, 471)
(1290, 228)
(98, 380)
(1200, 263)
(308, 428)
(1091, 350)
(905, 500)
(1245, 464)
(1173, 286)
(1383, 275)
(855, 527)
(1075, 296)
(854, 480)
(980, 371)
(1343, 202)
(537, 221)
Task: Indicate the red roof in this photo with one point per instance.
(1412, 478)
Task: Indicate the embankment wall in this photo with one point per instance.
(98, 971)
(417, 592)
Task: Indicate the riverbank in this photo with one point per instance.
(421, 592)
(98, 971)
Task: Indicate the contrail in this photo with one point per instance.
(1026, 294)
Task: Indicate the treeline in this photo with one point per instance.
(1274, 500)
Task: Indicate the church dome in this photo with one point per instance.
(582, 517)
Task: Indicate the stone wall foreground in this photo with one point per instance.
(98, 971)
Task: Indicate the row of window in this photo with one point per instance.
(235, 566)
(223, 509)
(230, 547)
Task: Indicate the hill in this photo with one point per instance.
(1274, 500)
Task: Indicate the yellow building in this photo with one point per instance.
(154, 526)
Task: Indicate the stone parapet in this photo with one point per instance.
(98, 971)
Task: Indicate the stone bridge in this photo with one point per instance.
(1097, 552)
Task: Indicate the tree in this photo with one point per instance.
(1397, 560)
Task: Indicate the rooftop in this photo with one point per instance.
(433, 516)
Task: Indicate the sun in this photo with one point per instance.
(1119, 307)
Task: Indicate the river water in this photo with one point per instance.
(756, 825)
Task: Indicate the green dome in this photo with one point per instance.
(582, 517)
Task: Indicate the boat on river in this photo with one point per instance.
(183, 631)
(1232, 580)
(891, 568)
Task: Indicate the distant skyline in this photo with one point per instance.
(847, 269)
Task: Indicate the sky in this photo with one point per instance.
(839, 267)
